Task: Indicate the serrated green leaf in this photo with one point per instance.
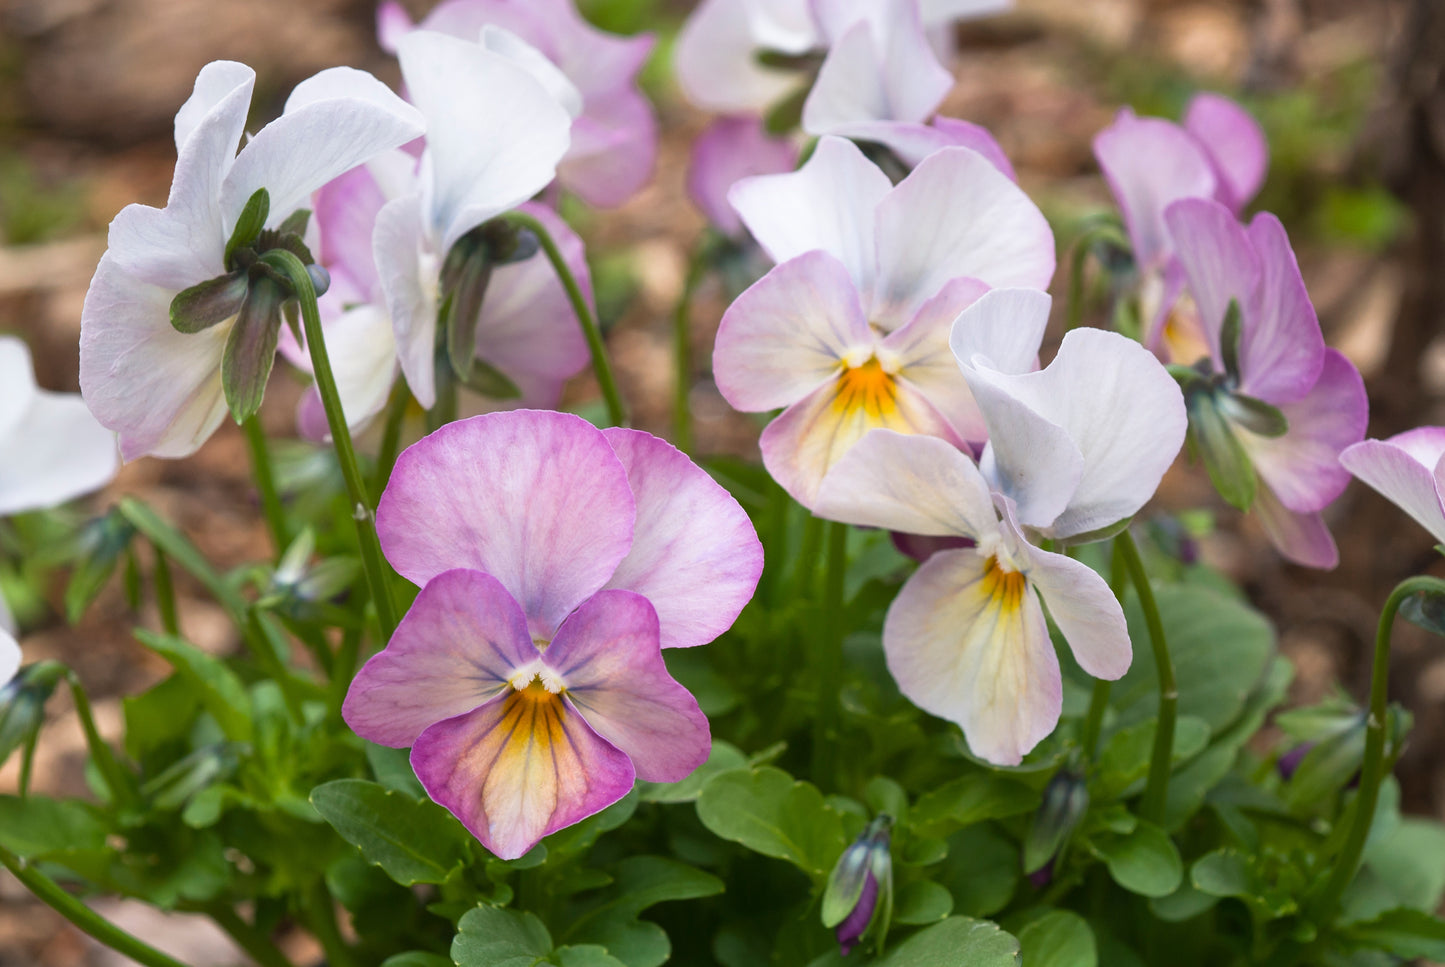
(218, 688)
(1059, 938)
(414, 842)
(1145, 861)
(956, 942)
(768, 812)
(494, 937)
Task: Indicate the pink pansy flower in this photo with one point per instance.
(614, 132)
(1074, 449)
(733, 148)
(1218, 152)
(494, 137)
(160, 388)
(556, 560)
(1278, 359)
(1409, 470)
(850, 331)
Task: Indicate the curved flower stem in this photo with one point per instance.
(122, 791)
(266, 483)
(1099, 701)
(829, 655)
(682, 350)
(362, 511)
(48, 891)
(1372, 772)
(1157, 788)
(616, 413)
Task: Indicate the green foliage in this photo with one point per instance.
(414, 842)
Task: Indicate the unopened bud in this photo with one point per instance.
(859, 895)
(1066, 800)
(22, 703)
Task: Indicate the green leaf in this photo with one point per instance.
(884, 795)
(392, 768)
(587, 955)
(956, 942)
(219, 689)
(640, 882)
(1144, 861)
(769, 813)
(922, 901)
(971, 799)
(37, 825)
(1125, 758)
(982, 870)
(1412, 861)
(416, 958)
(414, 842)
(1183, 904)
(723, 757)
(1058, 939)
(1403, 932)
(493, 937)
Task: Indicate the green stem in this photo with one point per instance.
(682, 351)
(166, 595)
(829, 655)
(271, 507)
(1372, 773)
(49, 892)
(177, 546)
(362, 511)
(27, 762)
(1156, 790)
(344, 668)
(1099, 700)
(1075, 307)
(116, 779)
(248, 938)
(600, 367)
(390, 437)
(321, 917)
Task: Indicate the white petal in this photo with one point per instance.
(716, 66)
(1005, 327)
(1086, 611)
(17, 383)
(215, 85)
(362, 349)
(926, 362)
(408, 270)
(879, 69)
(827, 204)
(57, 452)
(9, 652)
(535, 63)
(1402, 470)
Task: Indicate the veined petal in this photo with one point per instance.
(789, 334)
(926, 362)
(967, 642)
(804, 443)
(214, 93)
(715, 63)
(457, 648)
(345, 217)
(956, 216)
(9, 656)
(520, 767)
(913, 484)
(408, 270)
(1301, 537)
(1408, 470)
(1302, 467)
(827, 204)
(730, 149)
(494, 135)
(607, 656)
(1005, 327)
(1086, 611)
(695, 555)
(1220, 263)
(57, 452)
(538, 500)
(613, 151)
(17, 383)
(362, 350)
(501, 41)
(872, 74)
(1149, 164)
(1234, 143)
(1281, 348)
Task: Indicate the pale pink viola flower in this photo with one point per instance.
(1075, 449)
(1218, 152)
(556, 561)
(1408, 469)
(729, 150)
(850, 330)
(1271, 407)
(159, 388)
(594, 73)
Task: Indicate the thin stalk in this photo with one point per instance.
(344, 668)
(806, 571)
(1372, 772)
(1099, 700)
(390, 437)
(829, 654)
(27, 763)
(1156, 790)
(166, 595)
(1075, 306)
(271, 507)
(616, 413)
(682, 351)
(248, 938)
(51, 894)
(321, 917)
(116, 780)
(362, 511)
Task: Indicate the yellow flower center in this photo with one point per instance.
(1183, 335)
(868, 388)
(1003, 588)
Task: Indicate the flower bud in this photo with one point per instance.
(22, 704)
(1066, 799)
(175, 786)
(860, 888)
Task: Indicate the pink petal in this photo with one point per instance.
(614, 150)
(1402, 470)
(730, 149)
(927, 363)
(1235, 144)
(1281, 348)
(538, 500)
(789, 333)
(455, 650)
(1301, 537)
(1219, 262)
(695, 555)
(345, 213)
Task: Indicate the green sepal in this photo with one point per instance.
(786, 115)
(208, 303)
(463, 310)
(249, 223)
(1189, 378)
(1229, 334)
(1425, 609)
(295, 223)
(251, 347)
(1066, 800)
(1229, 466)
(1255, 415)
(22, 703)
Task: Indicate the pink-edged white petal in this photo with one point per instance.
(408, 269)
(1234, 143)
(1408, 470)
(912, 484)
(1302, 468)
(1086, 611)
(457, 648)
(1302, 538)
(1150, 163)
(9, 655)
(827, 204)
(912, 142)
(812, 435)
(362, 350)
(926, 363)
(695, 555)
(538, 500)
(967, 642)
(730, 149)
(956, 216)
(56, 453)
(1219, 262)
(520, 767)
(789, 334)
(1281, 348)
(715, 62)
(494, 135)
(392, 23)
(877, 72)
(607, 657)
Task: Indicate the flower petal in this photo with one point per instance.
(1005, 327)
(538, 500)
(345, 217)
(58, 452)
(913, 484)
(827, 204)
(1409, 470)
(17, 383)
(715, 63)
(728, 150)
(408, 270)
(614, 150)
(883, 70)
(9, 656)
(1281, 348)
(1220, 263)
(956, 216)
(913, 142)
(520, 767)
(968, 643)
(1149, 164)
(1086, 611)
(695, 555)
(788, 334)
(1234, 143)
(455, 650)
(926, 362)
(362, 350)
(1301, 537)
(607, 656)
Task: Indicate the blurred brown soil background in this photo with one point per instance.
(1352, 93)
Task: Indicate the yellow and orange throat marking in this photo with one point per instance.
(1183, 335)
(1004, 589)
(533, 710)
(867, 388)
